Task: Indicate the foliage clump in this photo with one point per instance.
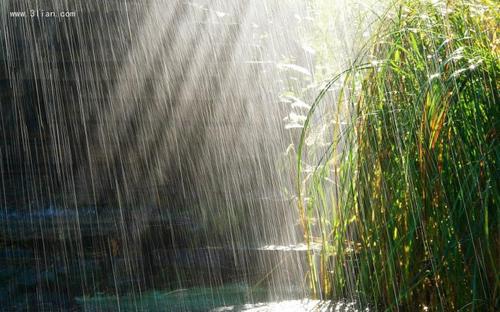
(405, 201)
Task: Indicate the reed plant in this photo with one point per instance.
(404, 202)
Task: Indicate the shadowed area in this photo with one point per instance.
(142, 147)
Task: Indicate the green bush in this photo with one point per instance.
(405, 201)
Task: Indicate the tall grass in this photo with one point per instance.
(405, 201)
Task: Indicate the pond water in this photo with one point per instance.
(58, 274)
(29, 282)
(228, 298)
